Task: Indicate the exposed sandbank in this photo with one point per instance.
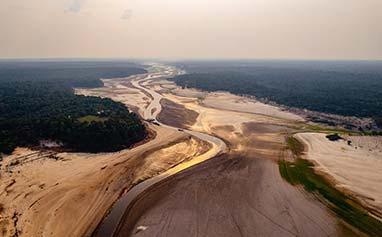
(355, 168)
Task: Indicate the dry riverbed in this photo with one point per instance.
(238, 193)
(67, 194)
(44, 193)
(242, 188)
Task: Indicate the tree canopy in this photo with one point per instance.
(44, 107)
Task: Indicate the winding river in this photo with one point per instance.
(110, 223)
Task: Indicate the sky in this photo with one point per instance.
(191, 29)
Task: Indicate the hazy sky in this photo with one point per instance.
(311, 29)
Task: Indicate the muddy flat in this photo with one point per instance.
(237, 194)
(176, 115)
(44, 193)
(210, 170)
(69, 195)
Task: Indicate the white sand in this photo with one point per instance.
(357, 170)
(228, 101)
(211, 117)
(69, 196)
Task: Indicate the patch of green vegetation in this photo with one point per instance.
(295, 146)
(92, 118)
(301, 172)
(318, 128)
(372, 133)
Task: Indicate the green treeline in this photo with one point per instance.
(343, 88)
(37, 102)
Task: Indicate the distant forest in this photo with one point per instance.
(343, 88)
(37, 102)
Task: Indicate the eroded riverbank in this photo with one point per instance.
(243, 187)
(213, 172)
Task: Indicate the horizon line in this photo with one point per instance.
(176, 59)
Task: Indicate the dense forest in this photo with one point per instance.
(344, 88)
(37, 102)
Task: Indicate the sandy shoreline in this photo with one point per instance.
(255, 134)
(238, 194)
(71, 195)
(63, 194)
(68, 194)
(355, 169)
(224, 115)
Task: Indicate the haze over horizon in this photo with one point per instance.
(197, 29)
(168, 118)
